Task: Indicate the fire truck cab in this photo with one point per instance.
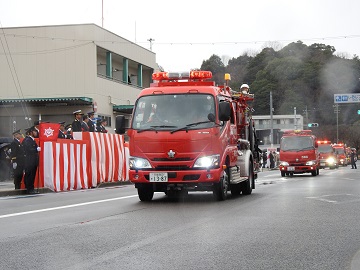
(298, 153)
(187, 134)
(340, 150)
(327, 155)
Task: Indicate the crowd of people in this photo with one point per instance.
(270, 159)
(22, 152)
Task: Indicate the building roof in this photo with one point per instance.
(58, 101)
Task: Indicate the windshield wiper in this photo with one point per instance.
(190, 125)
(155, 128)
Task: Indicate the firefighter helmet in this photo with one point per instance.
(244, 88)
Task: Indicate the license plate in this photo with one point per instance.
(158, 177)
(322, 164)
(291, 168)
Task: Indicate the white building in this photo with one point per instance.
(48, 72)
(280, 123)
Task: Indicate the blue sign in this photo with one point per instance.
(347, 98)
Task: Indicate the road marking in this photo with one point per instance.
(65, 207)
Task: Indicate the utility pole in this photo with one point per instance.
(151, 41)
(337, 110)
(102, 13)
(271, 121)
(295, 126)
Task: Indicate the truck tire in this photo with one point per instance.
(221, 188)
(282, 174)
(145, 193)
(246, 185)
(313, 173)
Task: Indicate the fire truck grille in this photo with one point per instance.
(172, 159)
(172, 168)
(297, 164)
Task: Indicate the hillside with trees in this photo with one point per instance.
(301, 76)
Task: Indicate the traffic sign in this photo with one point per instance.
(347, 98)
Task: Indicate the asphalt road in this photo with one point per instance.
(300, 222)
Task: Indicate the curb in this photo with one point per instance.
(16, 192)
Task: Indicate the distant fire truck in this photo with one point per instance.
(327, 155)
(340, 150)
(298, 153)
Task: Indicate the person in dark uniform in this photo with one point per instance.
(92, 122)
(63, 134)
(353, 159)
(68, 129)
(84, 123)
(31, 150)
(17, 158)
(101, 125)
(76, 124)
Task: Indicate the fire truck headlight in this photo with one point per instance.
(208, 162)
(284, 163)
(330, 160)
(139, 163)
(311, 162)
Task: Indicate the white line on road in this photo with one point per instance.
(65, 206)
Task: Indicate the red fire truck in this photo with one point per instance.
(327, 155)
(298, 153)
(340, 150)
(187, 134)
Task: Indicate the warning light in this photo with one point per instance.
(313, 125)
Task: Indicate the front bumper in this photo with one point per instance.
(187, 179)
(297, 169)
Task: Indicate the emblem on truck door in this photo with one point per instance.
(171, 154)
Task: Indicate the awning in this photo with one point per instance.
(123, 108)
(59, 101)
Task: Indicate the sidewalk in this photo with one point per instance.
(7, 188)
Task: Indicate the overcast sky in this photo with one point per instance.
(187, 32)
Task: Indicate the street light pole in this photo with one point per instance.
(271, 121)
(336, 110)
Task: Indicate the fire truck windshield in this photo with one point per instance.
(325, 148)
(296, 143)
(169, 112)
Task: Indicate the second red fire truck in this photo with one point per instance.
(298, 153)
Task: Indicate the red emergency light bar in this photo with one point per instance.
(192, 75)
(324, 142)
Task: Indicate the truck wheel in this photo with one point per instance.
(313, 173)
(246, 185)
(221, 188)
(145, 193)
(282, 174)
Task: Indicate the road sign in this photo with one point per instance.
(347, 98)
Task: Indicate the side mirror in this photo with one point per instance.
(120, 124)
(224, 111)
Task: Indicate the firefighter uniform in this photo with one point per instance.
(76, 124)
(31, 159)
(17, 158)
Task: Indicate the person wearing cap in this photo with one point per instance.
(84, 123)
(62, 131)
(92, 122)
(31, 163)
(76, 124)
(101, 125)
(68, 130)
(17, 158)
